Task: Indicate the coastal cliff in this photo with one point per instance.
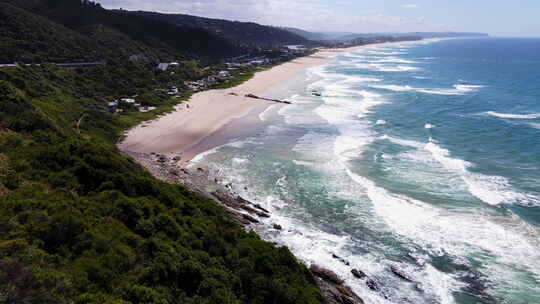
(171, 169)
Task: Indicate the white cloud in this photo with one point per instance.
(338, 15)
(410, 5)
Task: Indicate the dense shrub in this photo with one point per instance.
(82, 223)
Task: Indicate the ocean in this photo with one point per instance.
(421, 158)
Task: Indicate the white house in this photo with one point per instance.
(166, 65)
(224, 74)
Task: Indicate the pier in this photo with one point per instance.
(267, 99)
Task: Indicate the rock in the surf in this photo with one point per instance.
(358, 274)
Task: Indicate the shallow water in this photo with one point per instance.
(424, 156)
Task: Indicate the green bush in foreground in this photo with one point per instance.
(82, 223)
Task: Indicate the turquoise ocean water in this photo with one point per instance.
(422, 157)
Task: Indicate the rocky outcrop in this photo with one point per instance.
(166, 167)
(333, 287)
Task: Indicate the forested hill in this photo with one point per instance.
(30, 38)
(243, 33)
(82, 223)
(115, 33)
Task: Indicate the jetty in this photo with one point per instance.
(267, 99)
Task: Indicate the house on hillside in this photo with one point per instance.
(224, 74)
(112, 106)
(164, 66)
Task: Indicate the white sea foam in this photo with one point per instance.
(377, 67)
(381, 199)
(442, 232)
(385, 53)
(202, 156)
(395, 88)
(237, 144)
(403, 142)
(514, 116)
(467, 87)
(535, 125)
(360, 79)
(392, 60)
(458, 89)
(494, 190)
(265, 114)
(303, 163)
(381, 122)
(239, 160)
(429, 126)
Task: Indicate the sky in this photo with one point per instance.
(507, 18)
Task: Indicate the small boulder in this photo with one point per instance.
(358, 274)
(342, 260)
(277, 227)
(325, 274)
(371, 284)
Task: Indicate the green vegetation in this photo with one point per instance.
(30, 38)
(62, 30)
(241, 33)
(79, 221)
(82, 223)
(66, 95)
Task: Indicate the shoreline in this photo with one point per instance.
(215, 117)
(169, 160)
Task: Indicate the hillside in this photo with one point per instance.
(82, 223)
(30, 38)
(309, 35)
(242, 33)
(138, 35)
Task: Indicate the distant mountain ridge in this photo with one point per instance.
(323, 36)
(84, 30)
(242, 33)
(424, 35)
(118, 31)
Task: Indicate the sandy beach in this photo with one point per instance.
(207, 112)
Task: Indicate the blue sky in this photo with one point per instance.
(518, 18)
